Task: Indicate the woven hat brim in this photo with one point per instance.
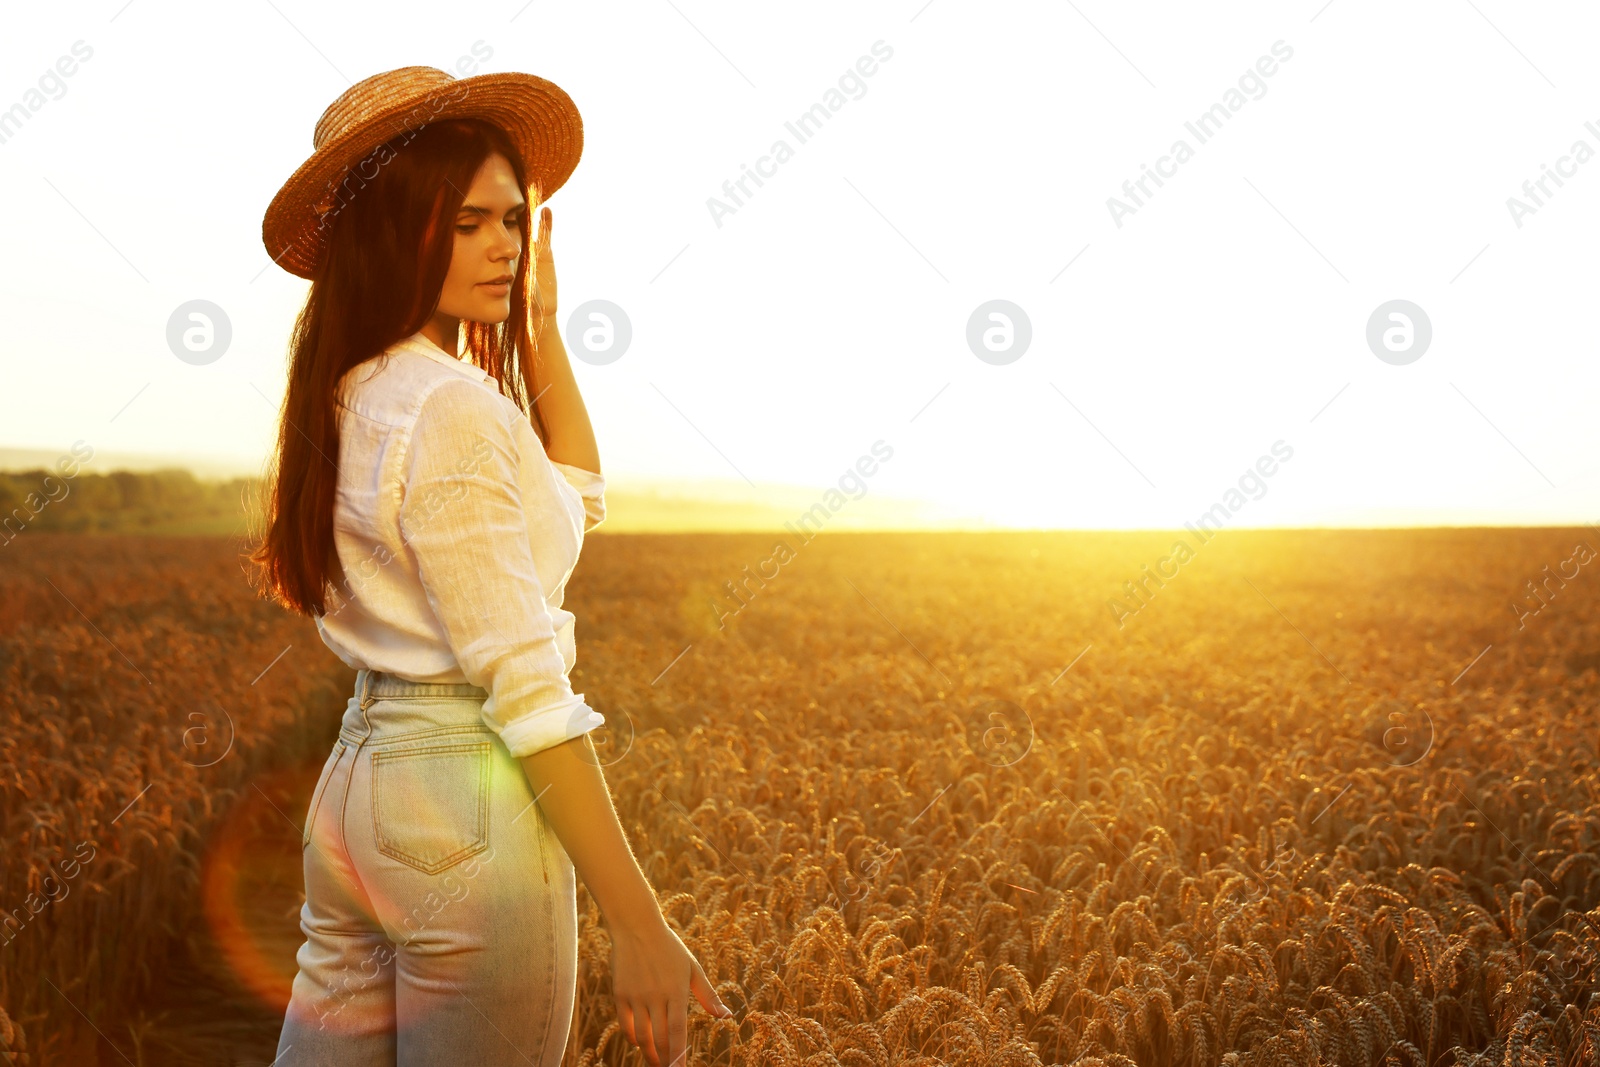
(537, 115)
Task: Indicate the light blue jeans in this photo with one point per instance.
(441, 917)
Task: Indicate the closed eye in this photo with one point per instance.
(471, 227)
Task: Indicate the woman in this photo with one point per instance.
(427, 513)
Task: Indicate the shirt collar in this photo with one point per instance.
(419, 343)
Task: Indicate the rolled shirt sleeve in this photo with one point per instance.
(461, 514)
(590, 486)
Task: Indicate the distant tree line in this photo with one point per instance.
(171, 501)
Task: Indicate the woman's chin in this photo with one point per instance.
(491, 312)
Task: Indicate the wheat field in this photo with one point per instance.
(1319, 797)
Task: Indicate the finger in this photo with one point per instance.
(705, 992)
(677, 1029)
(646, 1042)
(660, 1030)
(625, 1022)
(545, 222)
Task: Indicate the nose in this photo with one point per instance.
(510, 246)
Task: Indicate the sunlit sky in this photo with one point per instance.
(1172, 345)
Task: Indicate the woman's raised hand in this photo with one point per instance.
(544, 268)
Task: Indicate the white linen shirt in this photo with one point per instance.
(457, 535)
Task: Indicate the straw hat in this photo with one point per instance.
(538, 116)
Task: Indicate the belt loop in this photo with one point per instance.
(366, 701)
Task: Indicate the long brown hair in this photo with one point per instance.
(387, 251)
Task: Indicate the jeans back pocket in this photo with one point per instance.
(430, 805)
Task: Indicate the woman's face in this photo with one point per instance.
(488, 242)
